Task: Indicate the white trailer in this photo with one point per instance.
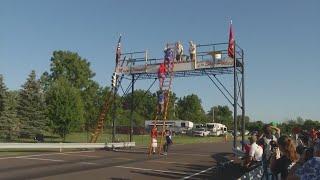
(216, 129)
(176, 126)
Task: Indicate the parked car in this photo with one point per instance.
(200, 132)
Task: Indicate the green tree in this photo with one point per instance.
(76, 70)
(239, 121)
(254, 126)
(65, 107)
(72, 67)
(3, 90)
(309, 124)
(172, 108)
(189, 108)
(300, 120)
(8, 120)
(222, 114)
(144, 106)
(31, 107)
(8, 115)
(92, 100)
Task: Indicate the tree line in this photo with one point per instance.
(66, 99)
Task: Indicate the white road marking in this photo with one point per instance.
(122, 158)
(41, 159)
(36, 155)
(78, 155)
(155, 170)
(187, 177)
(89, 163)
(168, 162)
(204, 155)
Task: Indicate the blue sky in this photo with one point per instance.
(280, 38)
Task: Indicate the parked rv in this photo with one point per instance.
(176, 126)
(216, 129)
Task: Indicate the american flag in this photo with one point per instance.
(118, 51)
(231, 42)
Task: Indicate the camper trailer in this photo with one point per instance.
(216, 129)
(176, 126)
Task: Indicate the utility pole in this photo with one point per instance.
(212, 114)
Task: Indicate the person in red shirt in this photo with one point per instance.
(162, 74)
(154, 135)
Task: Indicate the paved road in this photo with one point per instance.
(192, 161)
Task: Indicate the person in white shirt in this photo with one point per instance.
(179, 51)
(255, 153)
(192, 51)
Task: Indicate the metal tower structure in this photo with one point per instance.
(212, 60)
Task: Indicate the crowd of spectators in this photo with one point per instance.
(290, 157)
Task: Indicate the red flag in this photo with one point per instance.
(231, 42)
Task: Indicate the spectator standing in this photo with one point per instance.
(255, 152)
(310, 170)
(313, 137)
(266, 140)
(154, 136)
(288, 157)
(168, 142)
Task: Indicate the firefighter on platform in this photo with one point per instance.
(192, 51)
(179, 51)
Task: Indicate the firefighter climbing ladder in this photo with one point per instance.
(165, 87)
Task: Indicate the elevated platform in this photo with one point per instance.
(208, 61)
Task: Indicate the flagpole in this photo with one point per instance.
(232, 54)
(235, 100)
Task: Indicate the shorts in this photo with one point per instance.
(162, 75)
(154, 143)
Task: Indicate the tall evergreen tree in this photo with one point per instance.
(8, 119)
(31, 107)
(3, 90)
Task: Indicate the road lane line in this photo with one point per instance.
(41, 159)
(88, 163)
(187, 177)
(168, 162)
(122, 158)
(154, 170)
(81, 155)
(204, 155)
(36, 155)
